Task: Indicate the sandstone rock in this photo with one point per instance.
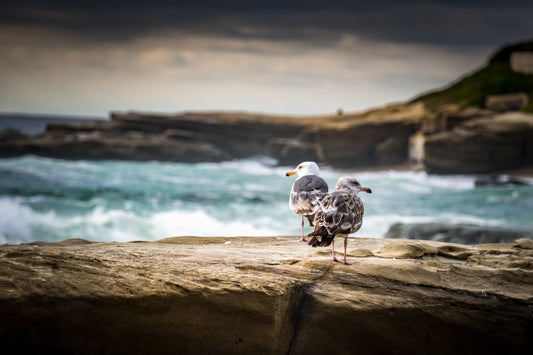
(82, 126)
(127, 146)
(360, 143)
(265, 295)
(405, 250)
(508, 102)
(455, 141)
(290, 151)
(373, 138)
(238, 135)
(483, 145)
(450, 118)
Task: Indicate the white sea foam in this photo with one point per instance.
(177, 223)
(249, 167)
(21, 224)
(51, 200)
(14, 222)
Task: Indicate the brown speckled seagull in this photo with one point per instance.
(340, 213)
(307, 192)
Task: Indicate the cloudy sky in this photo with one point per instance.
(279, 56)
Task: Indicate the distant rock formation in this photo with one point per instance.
(508, 102)
(472, 126)
(373, 138)
(453, 140)
(486, 144)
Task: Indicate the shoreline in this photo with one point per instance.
(469, 141)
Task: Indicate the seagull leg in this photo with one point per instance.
(345, 244)
(333, 252)
(302, 239)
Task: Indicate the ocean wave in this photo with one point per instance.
(15, 222)
(199, 223)
(253, 166)
(22, 224)
(51, 200)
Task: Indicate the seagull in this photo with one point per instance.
(307, 191)
(340, 213)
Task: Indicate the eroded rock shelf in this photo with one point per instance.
(266, 295)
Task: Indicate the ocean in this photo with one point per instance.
(44, 199)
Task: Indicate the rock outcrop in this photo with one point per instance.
(470, 141)
(266, 295)
(373, 138)
(482, 145)
(508, 102)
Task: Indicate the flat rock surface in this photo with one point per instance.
(266, 295)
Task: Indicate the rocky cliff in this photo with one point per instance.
(453, 140)
(372, 138)
(447, 130)
(482, 144)
(266, 295)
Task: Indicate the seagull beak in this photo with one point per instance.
(366, 189)
(290, 173)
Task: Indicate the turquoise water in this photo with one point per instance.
(51, 200)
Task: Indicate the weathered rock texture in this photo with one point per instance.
(482, 145)
(266, 295)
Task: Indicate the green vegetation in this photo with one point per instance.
(495, 78)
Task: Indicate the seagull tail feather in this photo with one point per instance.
(320, 240)
(311, 219)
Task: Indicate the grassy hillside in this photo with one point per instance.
(494, 78)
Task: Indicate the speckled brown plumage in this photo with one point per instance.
(340, 213)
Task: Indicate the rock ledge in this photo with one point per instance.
(266, 295)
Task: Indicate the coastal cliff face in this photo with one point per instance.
(482, 144)
(446, 131)
(266, 295)
(469, 141)
(374, 138)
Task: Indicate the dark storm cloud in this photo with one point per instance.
(436, 22)
(277, 56)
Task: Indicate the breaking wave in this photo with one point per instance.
(45, 199)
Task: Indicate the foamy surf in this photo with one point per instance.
(52, 200)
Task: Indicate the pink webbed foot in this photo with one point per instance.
(302, 239)
(345, 262)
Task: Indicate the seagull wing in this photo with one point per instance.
(307, 193)
(341, 212)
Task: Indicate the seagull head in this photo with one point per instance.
(305, 168)
(350, 183)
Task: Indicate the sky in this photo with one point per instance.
(282, 57)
